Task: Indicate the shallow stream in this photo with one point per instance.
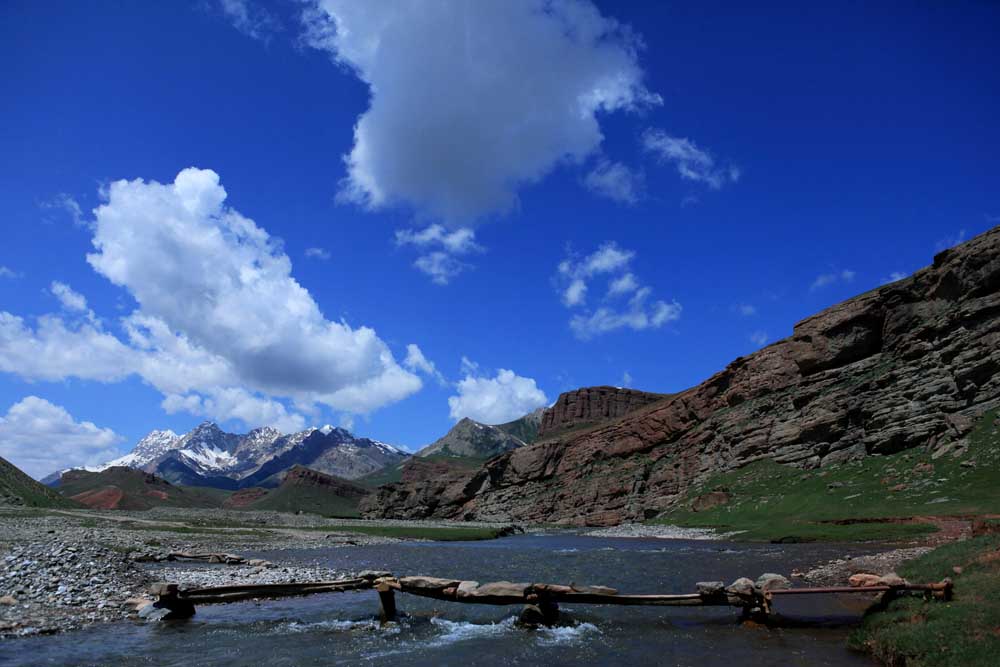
(339, 629)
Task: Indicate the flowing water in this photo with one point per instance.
(339, 629)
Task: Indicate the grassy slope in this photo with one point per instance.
(307, 499)
(136, 490)
(772, 501)
(960, 633)
(17, 488)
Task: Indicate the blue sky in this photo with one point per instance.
(537, 197)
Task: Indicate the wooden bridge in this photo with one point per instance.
(540, 601)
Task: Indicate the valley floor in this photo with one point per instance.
(64, 569)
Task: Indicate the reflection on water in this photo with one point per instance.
(339, 629)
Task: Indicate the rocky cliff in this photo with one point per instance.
(592, 405)
(910, 364)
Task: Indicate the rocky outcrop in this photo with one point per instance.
(910, 364)
(592, 405)
(470, 439)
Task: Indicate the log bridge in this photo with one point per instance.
(540, 601)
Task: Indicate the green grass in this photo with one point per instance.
(963, 632)
(772, 501)
(17, 489)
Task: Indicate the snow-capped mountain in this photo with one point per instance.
(209, 456)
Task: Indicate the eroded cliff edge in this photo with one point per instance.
(910, 364)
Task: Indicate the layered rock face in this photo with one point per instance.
(910, 364)
(592, 405)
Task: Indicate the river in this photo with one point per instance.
(339, 629)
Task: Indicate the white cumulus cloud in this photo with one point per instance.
(471, 100)
(222, 329)
(40, 438)
(494, 400)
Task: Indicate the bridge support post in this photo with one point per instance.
(387, 602)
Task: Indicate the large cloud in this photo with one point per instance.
(472, 99)
(222, 328)
(40, 438)
(495, 400)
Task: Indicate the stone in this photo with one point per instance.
(8, 601)
(771, 582)
(710, 588)
(743, 587)
(891, 579)
(499, 589)
(863, 580)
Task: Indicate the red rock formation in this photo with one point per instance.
(910, 364)
(592, 405)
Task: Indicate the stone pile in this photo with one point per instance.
(51, 586)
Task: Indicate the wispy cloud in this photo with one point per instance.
(318, 253)
(693, 163)
(616, 181)
(250, 19)
(626, 302)
(950, 241)
(67, 204)
(893, 277)
(441, 249)
(8, 273)
(831, 278)
(759, 338)
(745, 309)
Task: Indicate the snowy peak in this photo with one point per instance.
(150, 449)
(209, 455)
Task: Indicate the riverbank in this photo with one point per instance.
(961, 633)
(63, 570)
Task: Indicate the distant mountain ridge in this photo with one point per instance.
(471, 439)
(209, 456)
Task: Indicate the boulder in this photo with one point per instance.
(710, 588)
(863, 580)
(771, 582)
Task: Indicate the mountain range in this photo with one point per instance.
(209, 456)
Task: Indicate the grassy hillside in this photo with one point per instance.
(305, 490)
(125, 488)
(18, 489)
(771, 501)
(965, 631)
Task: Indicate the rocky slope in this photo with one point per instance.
(910, 364)
(470, 439)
